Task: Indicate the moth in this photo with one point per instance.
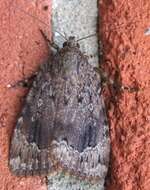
(63, 124)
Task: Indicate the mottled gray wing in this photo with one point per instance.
(81, 143)
(29, 153)
(63, 123)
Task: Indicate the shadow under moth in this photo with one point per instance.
(63, 124)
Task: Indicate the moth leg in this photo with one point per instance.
(115, 84)
(50, 44)
(25, 83)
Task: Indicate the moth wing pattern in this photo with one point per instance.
(63, 122)
(27, 155)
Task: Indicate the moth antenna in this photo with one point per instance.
(19, 8)
(86, 37)
(50, 44)
(64, 36)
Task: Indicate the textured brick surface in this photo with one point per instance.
(123, 24)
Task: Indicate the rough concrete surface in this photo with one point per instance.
(123, 26)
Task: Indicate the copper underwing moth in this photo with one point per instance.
(63, 124)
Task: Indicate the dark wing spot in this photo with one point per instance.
(80, 99)
(88, 139)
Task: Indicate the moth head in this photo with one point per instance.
(71, 42)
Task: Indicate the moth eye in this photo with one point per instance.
(65, 44)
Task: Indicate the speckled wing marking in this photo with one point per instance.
(63, 122)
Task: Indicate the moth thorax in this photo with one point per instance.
(71, 42)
